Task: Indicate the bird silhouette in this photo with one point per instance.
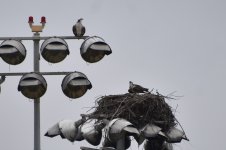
(78, 29)
(134, 88)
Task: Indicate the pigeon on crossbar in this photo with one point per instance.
(134, 88)
(78, 29)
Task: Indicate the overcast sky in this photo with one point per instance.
(168, 45)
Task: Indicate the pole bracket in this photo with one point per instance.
(1, 81)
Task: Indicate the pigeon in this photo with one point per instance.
(134, 88)
(78, 29)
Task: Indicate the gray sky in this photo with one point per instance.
(166, 45)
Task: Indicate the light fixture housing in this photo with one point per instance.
(32, 85)
(54, 50)
(92, 131)
(94, 48)
(119, 127)
(12, 52)
(75, 85)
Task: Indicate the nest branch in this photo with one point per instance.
(139, 109)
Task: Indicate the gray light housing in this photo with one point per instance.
(54, 50)
(75, 85)
(32, 85)
(94, 48)
(12, 52)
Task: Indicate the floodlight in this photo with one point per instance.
(75, 85)
(93, 49)
(32, 85)
(54, 50)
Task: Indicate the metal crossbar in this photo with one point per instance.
(41, 38)
(42, 73)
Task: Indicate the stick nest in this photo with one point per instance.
(139, 109)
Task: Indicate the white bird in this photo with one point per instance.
(78, 29)
(134, 88)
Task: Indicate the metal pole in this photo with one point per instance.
(36, 101)
(120, 145)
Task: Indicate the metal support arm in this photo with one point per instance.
(41, 38)
(42, 73)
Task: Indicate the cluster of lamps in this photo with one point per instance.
(54, 50)
(115, 130)
(74, 85)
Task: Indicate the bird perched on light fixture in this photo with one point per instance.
(134, 88)
(78, 29)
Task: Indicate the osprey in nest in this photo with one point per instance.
(78, 29)
(134, 88)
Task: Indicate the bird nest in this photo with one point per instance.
(139, 109)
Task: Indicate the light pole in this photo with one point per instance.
(37, 142)
(74, 85)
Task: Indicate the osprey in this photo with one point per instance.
(78, 29)
(134, 88)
